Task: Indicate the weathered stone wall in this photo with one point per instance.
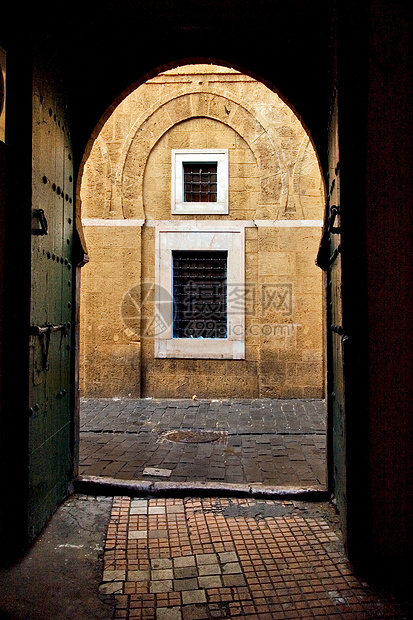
(110, 353)
(274, 187)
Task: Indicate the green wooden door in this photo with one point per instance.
(336, 336)
(50, 437)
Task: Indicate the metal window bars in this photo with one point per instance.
(200, 182)
(199, 294)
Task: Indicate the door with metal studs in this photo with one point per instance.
(50, 432)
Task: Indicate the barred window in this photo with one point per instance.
(197, 316)
(200, 182)
(199, 294)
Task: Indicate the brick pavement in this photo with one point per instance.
(263, 441)
(189, 559)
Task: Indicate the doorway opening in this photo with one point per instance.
(202, 352)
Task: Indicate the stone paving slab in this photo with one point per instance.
(237, 416)
(234, 558)
(264, 441)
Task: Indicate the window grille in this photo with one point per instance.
(199, 294)
(200, 182)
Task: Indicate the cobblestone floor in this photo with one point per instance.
(264, 441)
(188, 559)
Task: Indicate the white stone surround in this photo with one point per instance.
(206, 237)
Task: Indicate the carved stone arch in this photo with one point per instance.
(305, 177)
(104, 152)
(146, 132)
(293, 204)
(97, 181)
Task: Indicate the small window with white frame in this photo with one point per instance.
(199, 181)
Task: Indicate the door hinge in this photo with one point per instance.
(37, 330)
(44, 332)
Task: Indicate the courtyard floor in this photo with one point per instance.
(240, 442)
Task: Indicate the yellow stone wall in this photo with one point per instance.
(110, 352)
(274, 184)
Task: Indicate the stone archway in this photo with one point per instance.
(287, 210)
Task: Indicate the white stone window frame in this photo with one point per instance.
(200, 235)
(191, 156)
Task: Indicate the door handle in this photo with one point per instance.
(334, 212)
(40, 215)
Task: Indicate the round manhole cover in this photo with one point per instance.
(194, 436)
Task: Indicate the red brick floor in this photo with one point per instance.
(188, 559)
